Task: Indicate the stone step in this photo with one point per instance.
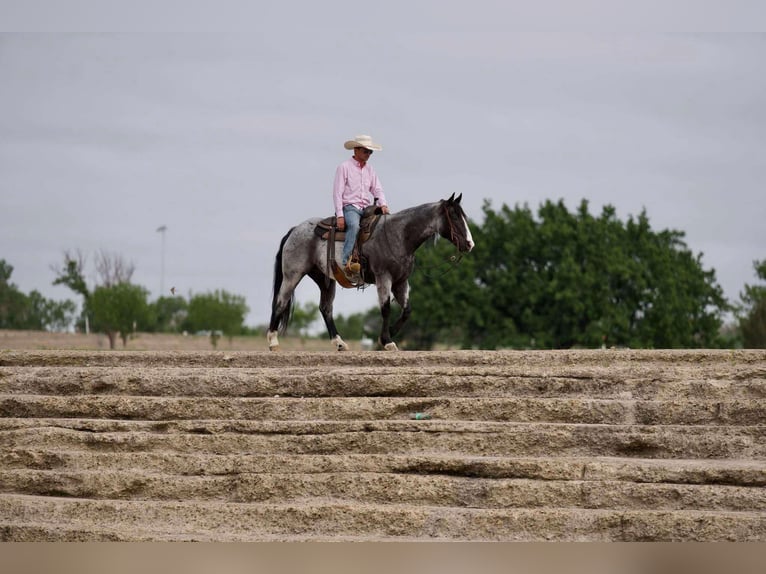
(613, 381)
(383, 488)
(672, 471)
(566, 410)
(36, 518)
(697, 360)
(393, 437)
(561, 445)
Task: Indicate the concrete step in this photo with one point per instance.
(574, 445)
(383, 488)
(569, 410)
(675, 471)
(393, 437)
(696, 360)
(175, 520)
(600, 382)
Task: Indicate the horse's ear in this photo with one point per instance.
(451, 198)
(458, 198)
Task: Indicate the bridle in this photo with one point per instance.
(452, 260)
(453, 237)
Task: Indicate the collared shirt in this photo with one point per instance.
(354, 184)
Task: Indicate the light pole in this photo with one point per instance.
(162, 229)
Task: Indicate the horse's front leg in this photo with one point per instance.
(384, 300)
(402, 295)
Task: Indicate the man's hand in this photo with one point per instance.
(341, 223)
(384, 209)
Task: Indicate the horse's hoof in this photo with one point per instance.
(273, 340)
(340, 344)
(390, 346)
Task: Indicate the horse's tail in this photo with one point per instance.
(284, 317)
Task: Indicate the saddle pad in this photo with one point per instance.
(325, 234)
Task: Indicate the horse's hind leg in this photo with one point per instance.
(326, 299)
(280, 310)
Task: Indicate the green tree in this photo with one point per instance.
(356, 326)
(120, 305)
(216, 311)
(350, 327)
(119, 309)
(33, 311)
(169, 313)
(13, 305)
(48, 315)
(752, 311)
(302, 318)
(559, 279)
(71, 273)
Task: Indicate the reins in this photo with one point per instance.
(451, 260)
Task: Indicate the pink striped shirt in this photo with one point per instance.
(354, 184)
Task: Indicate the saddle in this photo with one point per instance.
(327, 229)
(367, 224)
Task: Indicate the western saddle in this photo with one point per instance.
(327, 229)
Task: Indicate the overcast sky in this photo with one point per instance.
(230, 139)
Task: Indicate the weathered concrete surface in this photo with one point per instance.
(559, 445)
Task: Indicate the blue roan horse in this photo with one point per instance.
(388, 260)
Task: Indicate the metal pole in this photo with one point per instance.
(162, 229)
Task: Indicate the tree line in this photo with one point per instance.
(550, 279)
(30, 311)
(115, 306)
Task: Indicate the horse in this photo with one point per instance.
(388, 259)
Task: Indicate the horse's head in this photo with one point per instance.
(455, 226)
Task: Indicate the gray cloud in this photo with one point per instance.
(231, 139)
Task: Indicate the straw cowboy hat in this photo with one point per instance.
(362, 141)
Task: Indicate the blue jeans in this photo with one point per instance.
(352, 215)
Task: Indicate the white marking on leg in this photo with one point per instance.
(339, 343)
(384, 290)
(403, 294)
(391, 347)
(273, 340)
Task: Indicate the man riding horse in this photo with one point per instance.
(388, 253)
(355, 182)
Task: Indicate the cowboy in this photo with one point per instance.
(355, 182)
